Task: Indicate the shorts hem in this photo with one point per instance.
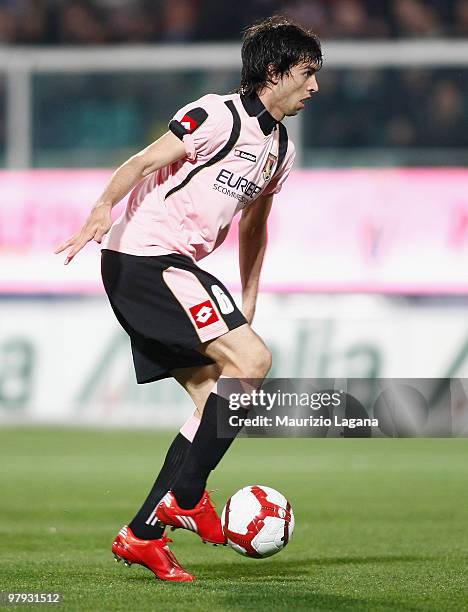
(167, 373)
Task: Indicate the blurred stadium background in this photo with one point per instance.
(366, 276)
(366, 273)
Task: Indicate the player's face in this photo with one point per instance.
(295, 88)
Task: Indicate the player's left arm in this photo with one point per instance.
(252, 246)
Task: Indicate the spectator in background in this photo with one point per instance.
(424, 115)
(128, 22)
(32, 22)
(412, 93)
(100, 21)
(461, 18)
(219, 21)
(179, 20)
(399, 132)
(2, 121)
(350, 19)
(414, 18)
(310, 13)
(445, 117)
(7, 26)
(81, 23)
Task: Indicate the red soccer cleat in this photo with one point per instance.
(203, 519)
(153, 554)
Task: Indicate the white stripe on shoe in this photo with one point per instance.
(167, 499)
(155, 520)
(151, 517)
(182, 520)
(187, 522)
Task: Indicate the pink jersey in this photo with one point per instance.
(236, 151)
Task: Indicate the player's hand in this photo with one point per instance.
(98, 223)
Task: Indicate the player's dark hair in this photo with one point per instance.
(278, 43)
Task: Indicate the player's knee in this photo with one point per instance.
(255, 364)
(264, 360)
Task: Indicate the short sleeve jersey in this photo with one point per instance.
(236, 151)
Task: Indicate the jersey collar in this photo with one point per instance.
(255, 108)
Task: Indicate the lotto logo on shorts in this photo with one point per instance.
(204, 314)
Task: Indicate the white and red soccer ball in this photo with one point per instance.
(257, 521)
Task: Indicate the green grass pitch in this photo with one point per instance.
(380, 524)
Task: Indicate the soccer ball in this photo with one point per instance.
(257, 521)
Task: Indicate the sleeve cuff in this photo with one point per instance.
(189, 144)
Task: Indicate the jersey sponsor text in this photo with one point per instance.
(234, 186)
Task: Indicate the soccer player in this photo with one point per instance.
(222, 154)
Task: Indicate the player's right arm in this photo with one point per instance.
(164, 151)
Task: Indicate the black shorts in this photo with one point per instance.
(168, 306)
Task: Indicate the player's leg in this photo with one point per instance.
(238, 354)
(143, 541)
(198, 382)
(169, 307)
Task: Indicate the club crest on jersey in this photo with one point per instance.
(204, 314)
(268, 167)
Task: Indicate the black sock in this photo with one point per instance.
(145, 524)
(205, 452)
